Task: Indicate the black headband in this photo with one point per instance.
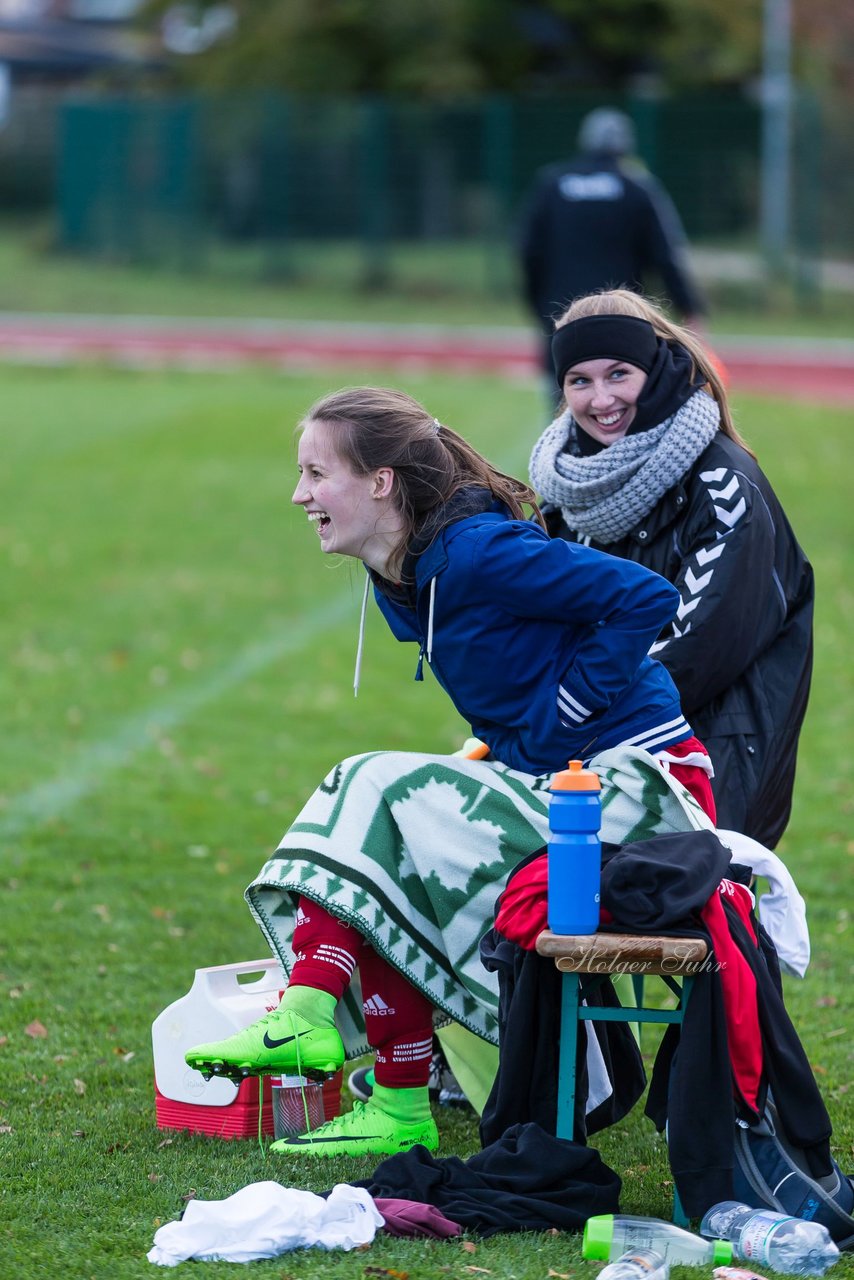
(611, 337)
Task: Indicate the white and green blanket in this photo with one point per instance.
(413, 851)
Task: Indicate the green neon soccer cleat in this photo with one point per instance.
(364, 1131)
(281, 1043)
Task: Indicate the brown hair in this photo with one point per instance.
(623, 302)
(379, 427)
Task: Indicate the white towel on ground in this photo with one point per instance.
(265, 1219)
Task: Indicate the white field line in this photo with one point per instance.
(97, 761)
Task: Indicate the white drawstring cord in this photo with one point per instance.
(430, 621)
(358, 672)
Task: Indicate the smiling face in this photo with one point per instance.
(354, 515)
(602, 396)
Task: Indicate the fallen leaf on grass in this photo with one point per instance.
(480, 1270)
(167, 1142)
(36, 1030)
(102, 911)
(117, 1146)
(154, 1177)
(192, 1193)
(560, 1275)
(78, 1133)
(826, 1002)
(6, 1128)
(79, 1088)
(4, 1040)
(386, 1271)
(468, 1246)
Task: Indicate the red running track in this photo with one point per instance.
(814, 371)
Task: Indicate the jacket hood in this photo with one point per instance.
(472, 500)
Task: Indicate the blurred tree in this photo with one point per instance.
(712, 42)
(451, 48)
(824, 43)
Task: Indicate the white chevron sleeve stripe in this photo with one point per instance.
(726, 493)
(695, 584)
(730, 518)
(687, 606)
(705, 554)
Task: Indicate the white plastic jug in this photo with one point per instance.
(221, 1001)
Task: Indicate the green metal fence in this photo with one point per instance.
(284, 177)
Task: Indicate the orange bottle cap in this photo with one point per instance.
(576, 778)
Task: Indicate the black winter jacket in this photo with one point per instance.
(740, 647)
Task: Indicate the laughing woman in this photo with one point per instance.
(644, 462)
(393, 866)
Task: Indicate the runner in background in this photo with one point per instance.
(602, 221)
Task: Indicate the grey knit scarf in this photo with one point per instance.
(604, 496)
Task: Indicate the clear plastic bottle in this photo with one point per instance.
(607, 1236)
(791, 1245)
(637, 1264)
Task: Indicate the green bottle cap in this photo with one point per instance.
(722, 1252)
(598, 1234)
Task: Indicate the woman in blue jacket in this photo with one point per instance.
(393, 865)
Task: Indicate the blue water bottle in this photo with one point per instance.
(575, 852)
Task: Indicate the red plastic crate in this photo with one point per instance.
(240, 1118)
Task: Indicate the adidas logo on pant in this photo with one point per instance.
(377, 1006)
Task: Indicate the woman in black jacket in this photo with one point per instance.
(643, 461)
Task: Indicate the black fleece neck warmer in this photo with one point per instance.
(668, 386)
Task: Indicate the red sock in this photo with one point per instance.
(398, 1022)
(327, 950)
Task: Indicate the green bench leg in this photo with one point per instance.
(571, 1015)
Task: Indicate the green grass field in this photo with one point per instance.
(446, 282)
(177, 679)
